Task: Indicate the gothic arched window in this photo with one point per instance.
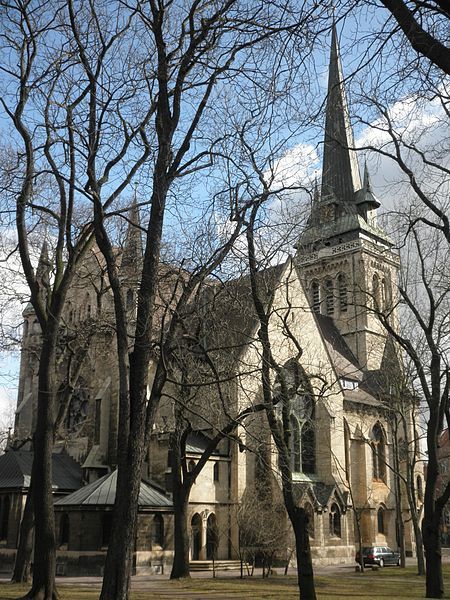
(64, 530)
(296, 415)
(308, 443)
(347, 450)
(387, 293)
(381, 521)
(378, 452)
(106, 528)
(376, 292)
(335, 520)
(342, 291)
(315, 296)
(158, 530)
(329, 297)
(295, 444)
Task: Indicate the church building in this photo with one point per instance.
(326, 300)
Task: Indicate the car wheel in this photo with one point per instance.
(398, 563)
(381, 563)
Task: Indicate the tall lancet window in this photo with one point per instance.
(315, 296)
(295, 444)
(295, 408)
(378, 453)
(376, 292)
(387, 293)
(342, 290)
(329, 297)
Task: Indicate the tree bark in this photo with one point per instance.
(305, 575)
(43, 585)
(432, 545)
(180, 566)
(419, 545)
(119, 559)
(22, 564)
(422, 41)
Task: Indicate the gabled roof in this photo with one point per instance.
(231, 318)
(321, 494)
(15, 470)
(196, 443)
(103, 493)
(346, 365)
(343, 359)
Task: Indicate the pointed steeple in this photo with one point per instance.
(132, 249)
(340, 175)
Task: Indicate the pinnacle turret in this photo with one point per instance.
(132, 249)
(367, 184)
(43, 269)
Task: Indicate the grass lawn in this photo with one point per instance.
(391, 583)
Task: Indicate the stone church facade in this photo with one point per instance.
(343, 274)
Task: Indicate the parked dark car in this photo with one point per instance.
(378, 555)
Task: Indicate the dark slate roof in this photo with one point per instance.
(231, 318)
(344, 361)
(346, 365)
(103, 493)
(196, 443)
(15, 470)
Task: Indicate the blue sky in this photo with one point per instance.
(301, 160)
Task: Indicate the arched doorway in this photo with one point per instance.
(212, 537)
(196, 536)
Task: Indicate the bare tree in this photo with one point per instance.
(46, 102)
(424, 298)
(208, 52)
(424, 25)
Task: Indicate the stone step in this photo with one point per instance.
(219, 565)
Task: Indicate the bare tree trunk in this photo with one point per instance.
(180, 566)
(21, 572)
(119, 559)
(43, 586)
(358, 533)
(419, 545)
(432, 545)
(305, 575)
(431, 522)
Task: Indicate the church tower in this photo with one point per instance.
(345, 258)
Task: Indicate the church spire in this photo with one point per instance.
(340, 175)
